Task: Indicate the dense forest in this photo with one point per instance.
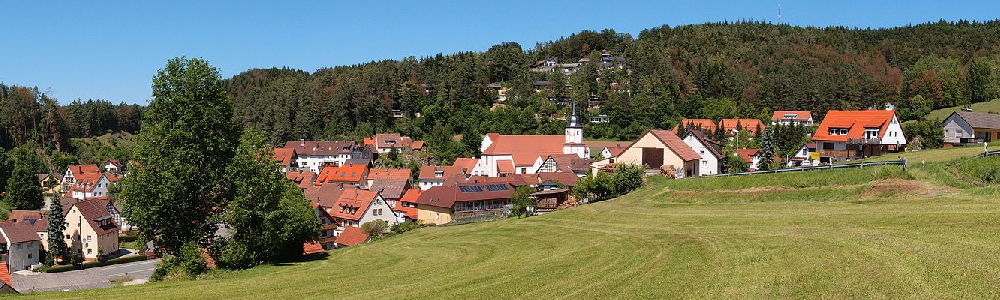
(715, 70)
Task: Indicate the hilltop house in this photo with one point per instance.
(787, 117)
(845, 135)
(72, 171)
(966, 127)
(504, 155)
(443, 204)
(112, 166)
(656, 149)
(89, 185)
(91, 230)
(385, 142)
(20, 246)
(710, 152)
(314, 155)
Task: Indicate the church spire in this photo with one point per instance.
(574, 122)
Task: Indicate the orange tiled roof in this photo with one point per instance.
(855, 122)
(674, 143)
(84, 169)
(525, 149)
(428, 172)
(284, 155)
(346, 173)
(352, 204)
(392, 174)
(417, 145)
(352, 236)
(5, 274)
(410, 196)
(747, 154)
(466, 163)
(311, 247)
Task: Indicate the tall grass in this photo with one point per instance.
(979, 171)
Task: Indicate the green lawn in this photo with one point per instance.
(859, 233)
(986, 107)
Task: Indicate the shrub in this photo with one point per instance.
(375, 229)
(187, 264)
(406, 226)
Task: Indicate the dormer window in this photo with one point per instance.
(438, 173)
(871, 133)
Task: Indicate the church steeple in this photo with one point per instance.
(574, 122)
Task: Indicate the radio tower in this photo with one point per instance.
(779, 13)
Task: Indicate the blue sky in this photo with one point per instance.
(111, 49)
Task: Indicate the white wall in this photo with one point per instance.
(708, 164)
(894, 133)
(955, 124)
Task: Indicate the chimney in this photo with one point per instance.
(302, 142)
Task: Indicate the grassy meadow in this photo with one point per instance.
(929, 232)
(992, 106)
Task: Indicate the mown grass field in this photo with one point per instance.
(859, 233)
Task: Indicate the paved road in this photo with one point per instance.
(26, 281)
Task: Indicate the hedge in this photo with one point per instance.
(91, 264)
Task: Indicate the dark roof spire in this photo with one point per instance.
(574, 122)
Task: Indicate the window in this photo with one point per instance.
(704, 163)
(827, 146)
(843, 132)
(29, 255)
(90, 251)
(437, 216)
(702, 152)
(20, 246)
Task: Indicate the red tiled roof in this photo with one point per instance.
(571, 162)
(300, 176)
(747, 154)
(96, 209)
(410, 197)
(711, 145)
(284, 155)
(393, 174)
(466, 163)
(352, 236)
(505, 167)
(855, 122)
(525, 149)
(674, 143)
(417, 145)
(84, 169)
(368, 141)
(446, 196)
(390, 188)
(346, 173)
(19, 232)
(5, 274)
(352, 199)
(428, 172)
(36, 218)
(86, 182)
(324, 195)
(750, 125)
(311, 247)
(617, 149)
(797, 115)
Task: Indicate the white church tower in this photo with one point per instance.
(574, 136)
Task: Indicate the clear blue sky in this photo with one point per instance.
(111, 49)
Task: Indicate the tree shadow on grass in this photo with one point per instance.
(305, 258)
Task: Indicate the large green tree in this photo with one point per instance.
(55, 228)
(23, 189)
(186, 141)
(268, 217)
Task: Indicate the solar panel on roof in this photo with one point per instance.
(470, 189)
(496, 187)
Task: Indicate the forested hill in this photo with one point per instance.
(698, 71)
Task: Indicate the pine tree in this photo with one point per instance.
(766, 152)
(186, 141)
(55, 228)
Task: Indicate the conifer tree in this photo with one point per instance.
(23, 189)
(55, 228)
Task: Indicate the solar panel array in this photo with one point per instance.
(471, 189)
(496, 187)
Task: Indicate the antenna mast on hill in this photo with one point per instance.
(779, 13)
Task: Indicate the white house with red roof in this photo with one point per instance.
(72, 171)
(89, 185)
(19, 244)
(354, 207)
(789, 117)
(710, 152)
(845, 135)
(504, 155)
(314, 155)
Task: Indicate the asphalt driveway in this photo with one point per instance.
(93, 278)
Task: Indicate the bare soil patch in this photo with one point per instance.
(895, 187)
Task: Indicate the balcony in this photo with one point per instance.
(837, 153)
(864, 141)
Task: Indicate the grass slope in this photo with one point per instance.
(992, 106)
(859, 233)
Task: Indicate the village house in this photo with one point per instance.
(386, 142)
(327, 227)
(36, 218)
(730, 125)
(91, 230)
(69, 178)
(443, 204)
(613, 150)
(710, 152)
(390, 189)
(406, 209)
(569, 163)
(302, 179)
(966, 127)
(845, 135)
(388, 174)
(314, 155)
(352, 236)
(431, 176)
(469, 166)
(354, 207)
(803, 156)
(20, 246)
(788, 117)
(662, 150)
(504, 155)
(350, 175)
(112, 166)
(286, 158)
(89, 185)
(750, 157)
